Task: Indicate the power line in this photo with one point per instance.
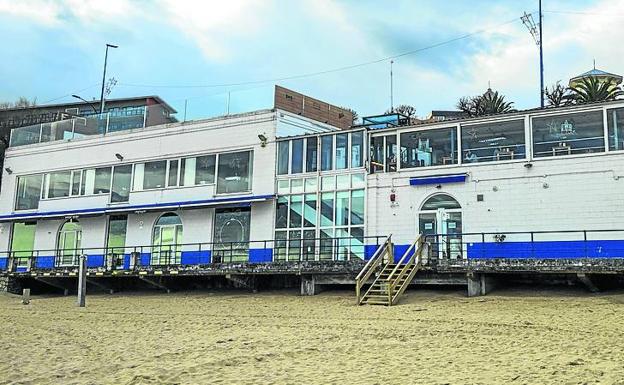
(338, 69)
(583, 13)
(70, 94)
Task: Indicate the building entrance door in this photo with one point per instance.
(440, 221)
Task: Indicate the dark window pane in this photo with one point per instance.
(282, 157)
(377, 154)
(204, 169)
(281, 213)
(391, 153)
(311, 154)
(357, 145)
(297, 156)
(102, 180)
(493, 141)
(327, 143)
(59, 184)
(568, 134)
(296, 210)
(234, 172)
(309, 211)
(172, 180)
(154, 174)
(122, 177)
(429, 148)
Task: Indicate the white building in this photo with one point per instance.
(275, 186)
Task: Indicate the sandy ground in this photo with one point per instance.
(432, 337)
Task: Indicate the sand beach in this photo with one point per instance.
(432, 337)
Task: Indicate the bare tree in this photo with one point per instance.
(21, 102)
(404, 109)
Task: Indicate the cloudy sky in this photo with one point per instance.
(198, 51)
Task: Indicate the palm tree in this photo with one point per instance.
(491, 102)
(558, 95)
(590, 90)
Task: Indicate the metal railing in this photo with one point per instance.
(133, 257)
(383, 255)
(562, 244)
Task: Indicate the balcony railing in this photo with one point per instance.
(193, 254)
(79, 127)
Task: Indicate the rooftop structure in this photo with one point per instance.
(602, 76)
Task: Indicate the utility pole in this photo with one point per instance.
(391, 88)
(541, 45)
(104, 76)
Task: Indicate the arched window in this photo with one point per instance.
(166, 240)
(440, 201)
(69, 243)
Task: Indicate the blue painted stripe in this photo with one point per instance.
(195, 257)
(44, 262)
(370, 250)
(547, 249)
(260, 255)
(95, 260)
(116, 209)
(4, 263)
(437, 179)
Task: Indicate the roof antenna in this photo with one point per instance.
(594, 63)
(391, 89)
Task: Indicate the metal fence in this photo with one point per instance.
(133, 257)
(565, 244)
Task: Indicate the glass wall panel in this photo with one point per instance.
(205, 169)
(282, 187)
(282, 157)
(391, 153)
(154, 174)
(327, 143)
(58, 186)
(343, 181)
(342, 208)
(341, 151)
(296, 166)
(429, 148)
(309, 213)
(357, 146)
(358, 180)
(281, 213)
(296, 210)
(327, 209)
(28, 192)
(116, 241)
(357, 207)
(234, 172)
(122, 176)
(615, 121)
(493, 141)
(296, 186)
(311, 154)
(102, 183)
(568, 134)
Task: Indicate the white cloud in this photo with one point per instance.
(43, 12)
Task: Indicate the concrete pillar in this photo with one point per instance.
(309, 285)
(25, 296)
(474, 284)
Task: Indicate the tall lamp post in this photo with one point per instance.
(104, 76)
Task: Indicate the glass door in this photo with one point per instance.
(450, 224)
(69, 240)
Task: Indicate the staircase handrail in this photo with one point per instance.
(370, 267)
(413, 259)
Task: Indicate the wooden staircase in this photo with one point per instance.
(390, 279)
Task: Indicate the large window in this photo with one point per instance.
(231, 234)
(116, 238)
(615, 121)
(205, 169)
(28, 192)
(154, 174)
(308, 221)
(568, 134)
(23, 241)
(429, 148)
(122, 176)
(235, 170)
(58, 184)
(493, 141)
(102, 182)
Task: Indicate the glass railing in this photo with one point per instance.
(79, 127)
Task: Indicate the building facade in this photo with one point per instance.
(273, 186)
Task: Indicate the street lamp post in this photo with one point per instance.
(104, 77)
(90, 104)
